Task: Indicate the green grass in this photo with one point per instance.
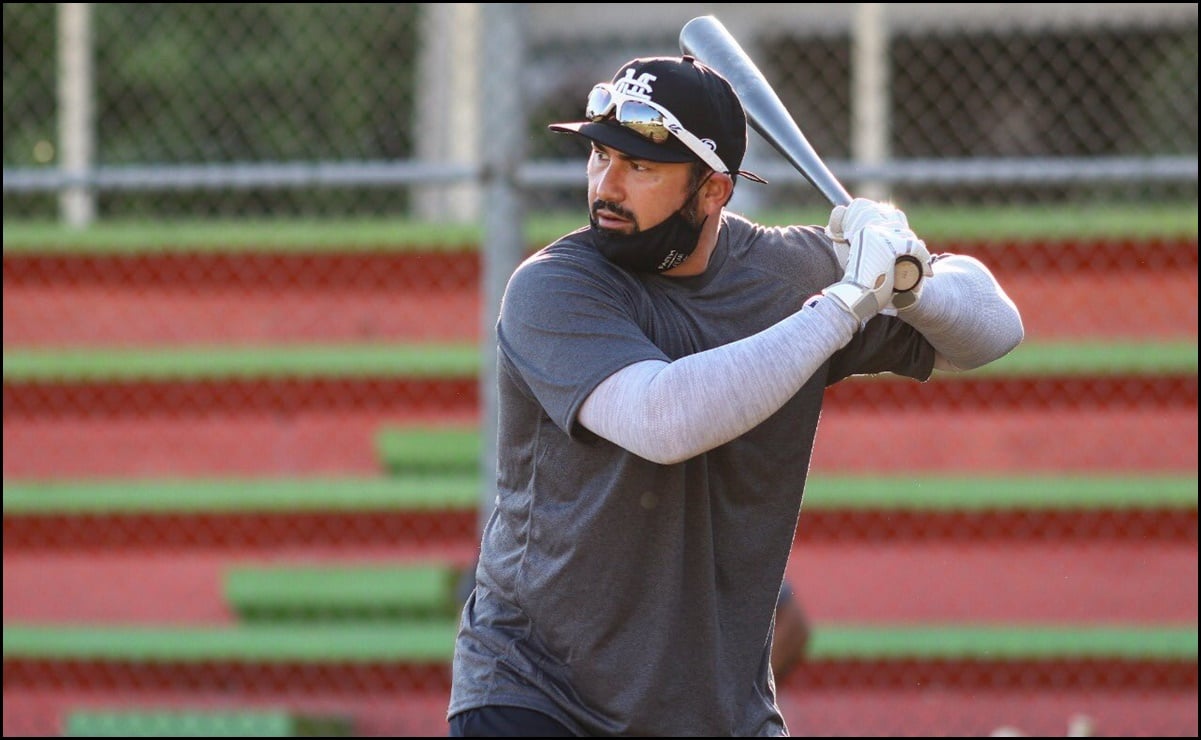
(459, 360)
(933, 223)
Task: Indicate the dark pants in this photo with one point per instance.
(498, 721)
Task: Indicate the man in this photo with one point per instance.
(660, 378)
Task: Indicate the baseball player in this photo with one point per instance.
(660, 379)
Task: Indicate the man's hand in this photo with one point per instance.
(846, 220)
(861, 213)
(876, 235)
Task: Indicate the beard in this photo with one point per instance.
(656, 249)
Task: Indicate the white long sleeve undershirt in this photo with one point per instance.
(670, 412)
(965, 315)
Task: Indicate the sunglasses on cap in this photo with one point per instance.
(648, 120)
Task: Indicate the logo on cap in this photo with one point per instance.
(640, 87)
(635, 88)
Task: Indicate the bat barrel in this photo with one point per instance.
(707, 39)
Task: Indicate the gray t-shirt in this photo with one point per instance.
(617, 595)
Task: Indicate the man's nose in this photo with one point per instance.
(608, 183)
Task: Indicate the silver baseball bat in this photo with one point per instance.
(707, 39)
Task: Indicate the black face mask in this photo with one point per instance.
(657, 249)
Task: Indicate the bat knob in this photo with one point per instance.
(907, 274)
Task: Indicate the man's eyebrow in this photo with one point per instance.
(617, 154)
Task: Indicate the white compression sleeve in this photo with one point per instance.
(965, 314)
(669, 412)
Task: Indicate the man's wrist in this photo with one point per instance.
(854, 299)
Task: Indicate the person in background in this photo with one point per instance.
(790, 637)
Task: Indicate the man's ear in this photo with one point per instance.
(718, 190)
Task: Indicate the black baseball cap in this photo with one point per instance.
(701, 99)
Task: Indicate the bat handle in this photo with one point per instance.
(908, 270)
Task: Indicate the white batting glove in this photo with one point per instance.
(846, 220)
(861, 213)
(842, 248)
(867, 285)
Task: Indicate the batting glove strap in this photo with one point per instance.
(855, 299)
(866, 286)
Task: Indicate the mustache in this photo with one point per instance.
(613, 208)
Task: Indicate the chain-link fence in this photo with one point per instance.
(246, 396)
(974, 104)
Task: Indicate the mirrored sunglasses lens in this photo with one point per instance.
(600, 100)
(644, 120)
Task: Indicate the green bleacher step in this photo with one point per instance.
(303, 643)
(434, 642)
(176, 364)
(937, 222)
(203, 723)
(343, 592)
(461, 491)
(1025, 642)
(461, 360)
(251, 495)
(416, 449)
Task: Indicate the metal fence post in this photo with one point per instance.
(77, 204)
(447, 113)
(503, 149)
(869, 95)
